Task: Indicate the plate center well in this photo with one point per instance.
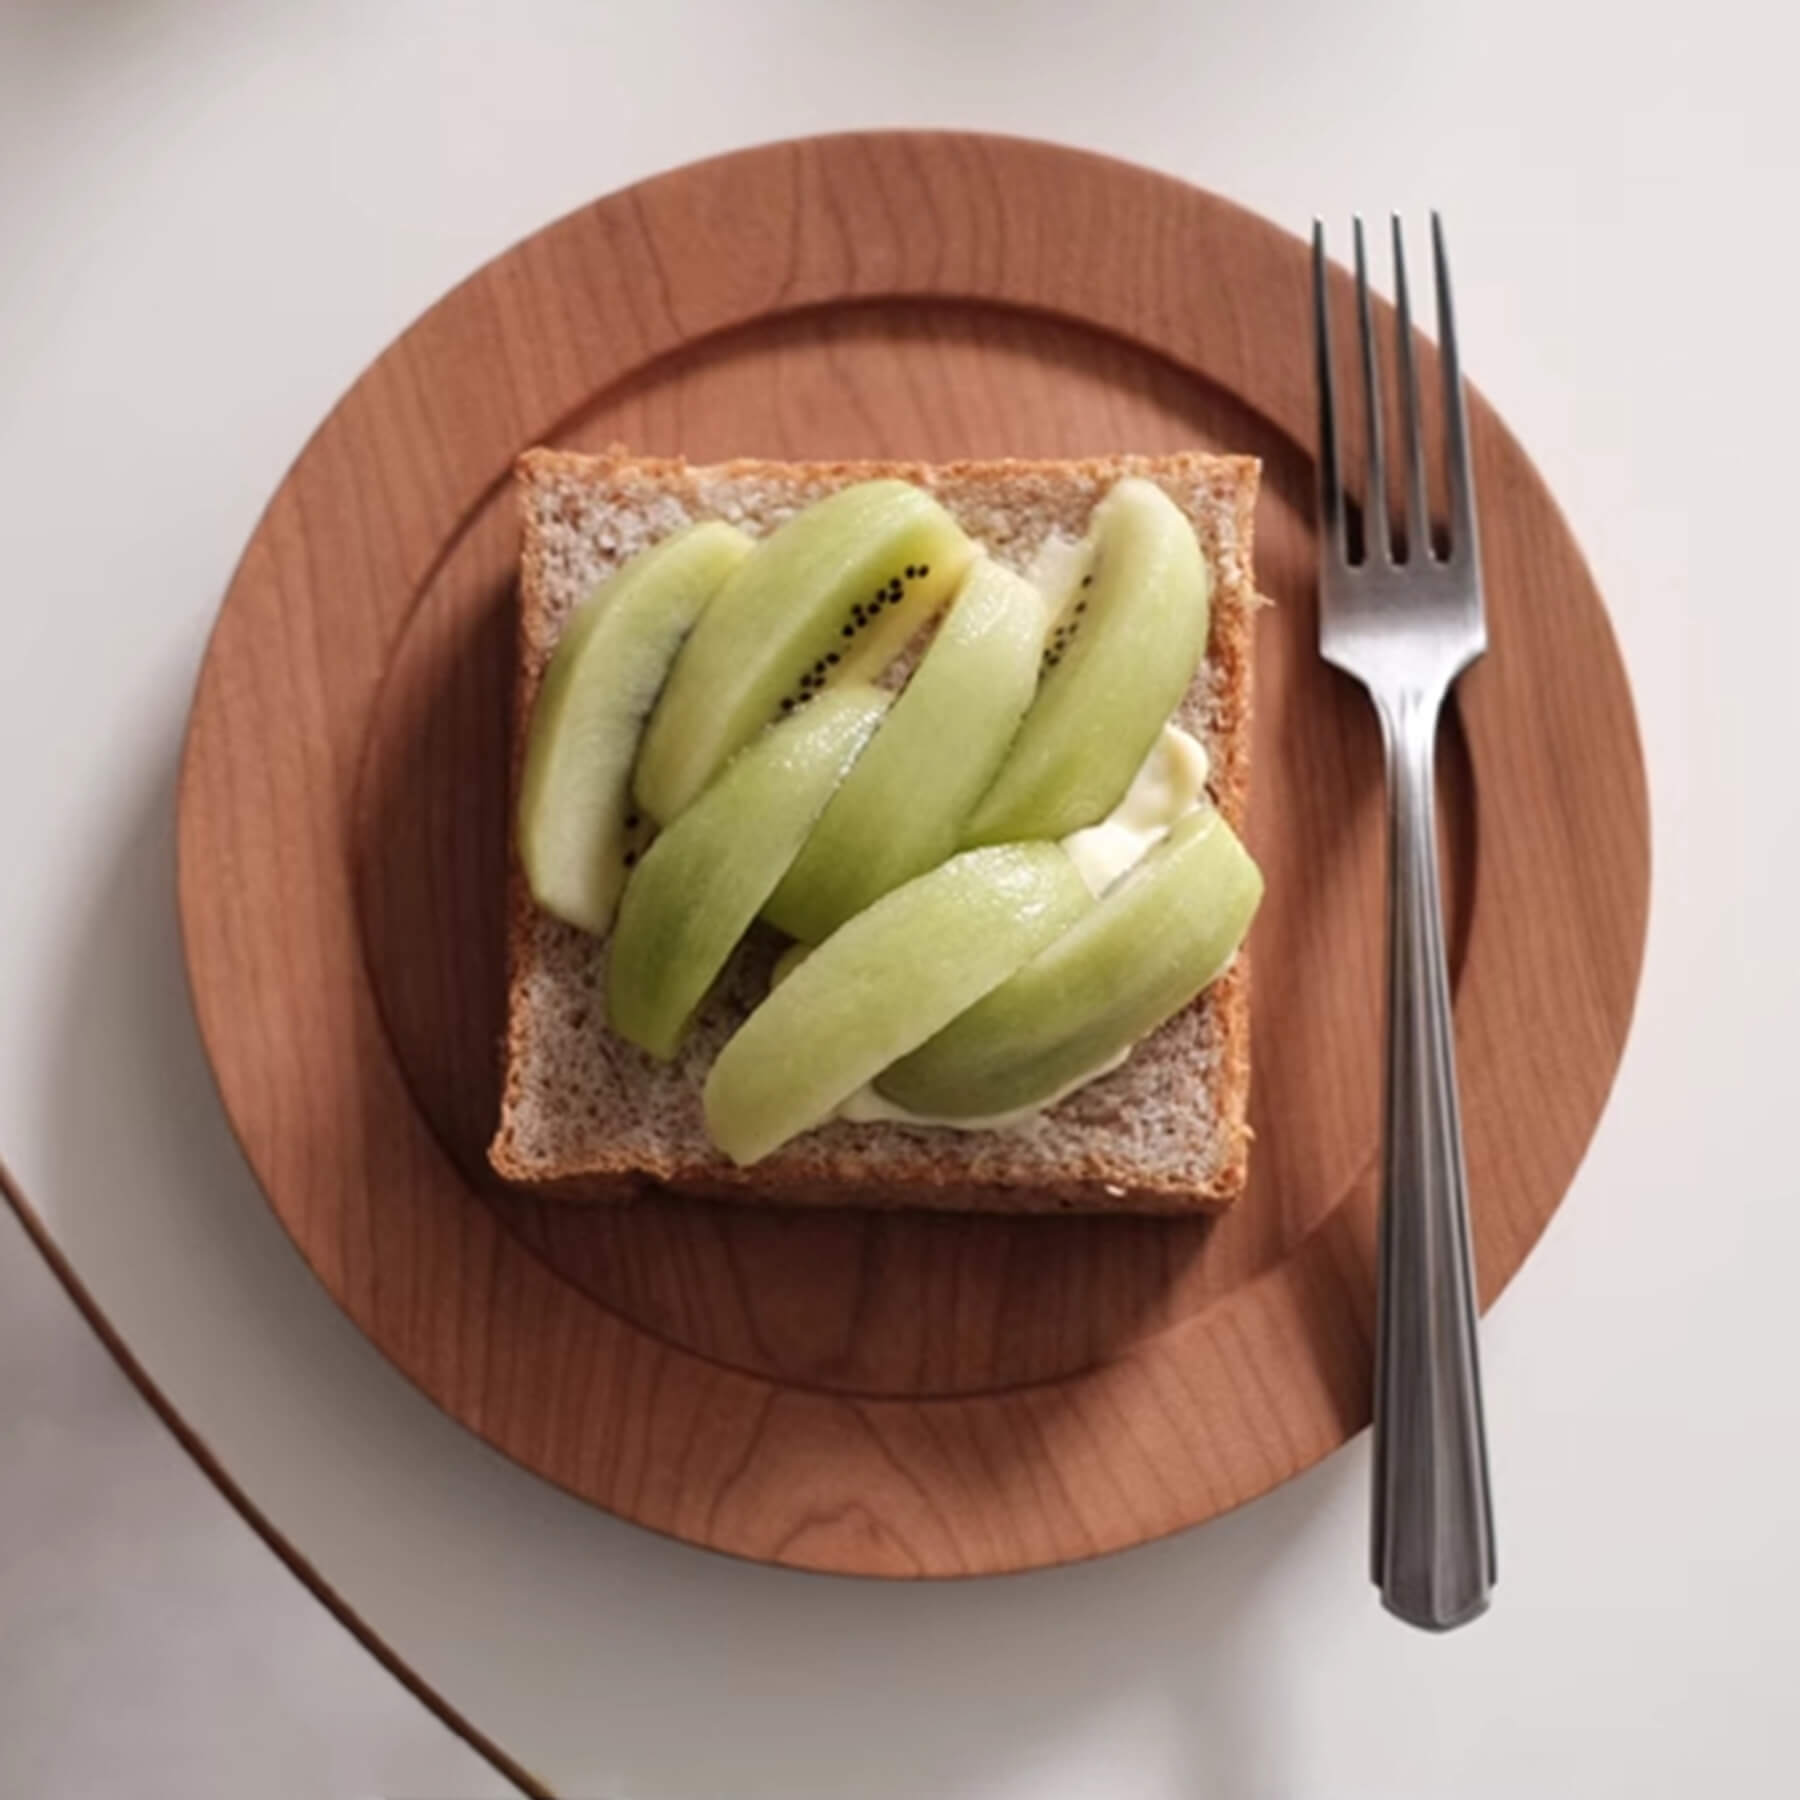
(898, 1303)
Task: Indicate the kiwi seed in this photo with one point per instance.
(862, 613)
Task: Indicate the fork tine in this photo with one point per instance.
(1418, 508)
(1331, 493)
(1463, 547)
(1378, 542)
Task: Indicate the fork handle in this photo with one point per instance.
(1433, 1536)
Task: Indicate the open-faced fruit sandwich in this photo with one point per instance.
(878, 833)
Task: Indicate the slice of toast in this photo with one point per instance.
(585, 1115)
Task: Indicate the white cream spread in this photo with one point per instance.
(1057, 568)
(1170, 785)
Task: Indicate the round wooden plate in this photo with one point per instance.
(884, 1395)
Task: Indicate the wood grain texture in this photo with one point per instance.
(879, 1394)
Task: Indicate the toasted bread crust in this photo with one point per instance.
(620, 1128)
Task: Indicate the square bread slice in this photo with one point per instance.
(587, 1116)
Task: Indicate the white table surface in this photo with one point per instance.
(210, 218)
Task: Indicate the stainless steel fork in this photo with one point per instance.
(1406, 624)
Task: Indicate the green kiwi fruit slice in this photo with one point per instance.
(832, 594)
(703, 881)
(1119, 660)
(575, 809)
(883, 984)
(900, 809)
(1157, 936)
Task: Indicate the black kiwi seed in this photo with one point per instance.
(849, 631)
(1087, 581)
(630, 858)
(924, 570)
(787, 706)
(832, 658)
(632, 821)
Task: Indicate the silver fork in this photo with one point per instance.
(1406, 628)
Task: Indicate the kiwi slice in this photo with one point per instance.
(703, 881)
(832, 594)
(1162, 931)
(900, 809)
(1119, 660)
(576, 822)
(881, 985)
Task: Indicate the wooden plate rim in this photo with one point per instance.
(539, 1328)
